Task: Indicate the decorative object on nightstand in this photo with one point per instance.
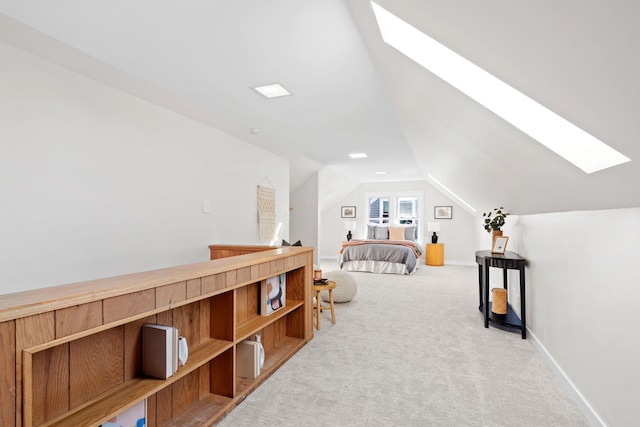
(433, 226)
(434, 254)
(349, 225)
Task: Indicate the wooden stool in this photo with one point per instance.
(330, 286)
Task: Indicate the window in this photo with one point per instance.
(378, 210)
(396, 209)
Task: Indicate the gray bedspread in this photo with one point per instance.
(381, 252)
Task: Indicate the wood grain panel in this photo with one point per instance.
(231, 278)
(222, 317)
(253, 300)
(187, 319)
(151, 411)
(128, 305)
(50, 373)
(8, 373)
(242, 310)
(97, 363)
(194, 288)
(163, 406)
(165, 318)
(295, 284)
(222, 374)
(30, 331)
(265, 269)
(133, 347)
(168, 295)
(213, 283)
(243, 275)
(268, 337)
(278, 266)
(205, 380)
(185, 391)
(255, 272)
(205, 320)
(78, 318)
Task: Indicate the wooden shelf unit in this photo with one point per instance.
(71, 354)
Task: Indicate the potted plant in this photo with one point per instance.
(494, 220)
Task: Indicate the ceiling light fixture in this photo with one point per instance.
(564, 138)
(357, 155)
(381, 173)
(274, 90)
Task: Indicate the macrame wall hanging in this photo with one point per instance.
(266, 213)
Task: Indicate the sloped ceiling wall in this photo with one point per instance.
(352, 92)
(577, 58)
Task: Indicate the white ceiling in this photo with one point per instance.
(354, 93)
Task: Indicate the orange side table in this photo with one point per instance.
(435, 254)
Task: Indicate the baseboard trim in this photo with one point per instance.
(587, 410)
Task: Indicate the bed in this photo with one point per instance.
(391, 250)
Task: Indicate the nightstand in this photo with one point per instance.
(435, 254)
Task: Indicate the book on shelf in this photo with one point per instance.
(248, 359)
(135, 416)
(159, 350)
(273, 294)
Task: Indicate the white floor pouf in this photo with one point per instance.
(346, 286)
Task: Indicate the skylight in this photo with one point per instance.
(565, 139)
(274, 90)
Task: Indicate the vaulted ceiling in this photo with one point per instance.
(354, 93)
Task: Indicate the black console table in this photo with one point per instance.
(508, 261)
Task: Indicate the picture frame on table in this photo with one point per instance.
(499, 245)
(443, 212)
(348, 211)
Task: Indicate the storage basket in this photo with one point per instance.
(499, 301)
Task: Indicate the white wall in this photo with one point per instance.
(304, 214)
(95, 182)
(457, 233)
(583, 289)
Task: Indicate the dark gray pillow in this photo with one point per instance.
(409, 232)
(371, 231)
(285, 243)
(381, 233)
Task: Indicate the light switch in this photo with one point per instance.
(206, 206)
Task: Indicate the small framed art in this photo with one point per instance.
(348, 212)
(443, 212)
(499, 244)
(273, 294)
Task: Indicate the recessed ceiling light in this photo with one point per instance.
(381, 173)
(357, 155)
(274, 90)
(564, 138)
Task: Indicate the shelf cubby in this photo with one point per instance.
(73, 353)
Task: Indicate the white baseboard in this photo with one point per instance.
(587, 410)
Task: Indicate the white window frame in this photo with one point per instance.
(393, 207)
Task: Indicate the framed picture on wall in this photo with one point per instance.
(443, 212)
(348, 212)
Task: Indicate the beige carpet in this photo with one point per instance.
(411, 351)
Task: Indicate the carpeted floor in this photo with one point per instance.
(411, 351)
